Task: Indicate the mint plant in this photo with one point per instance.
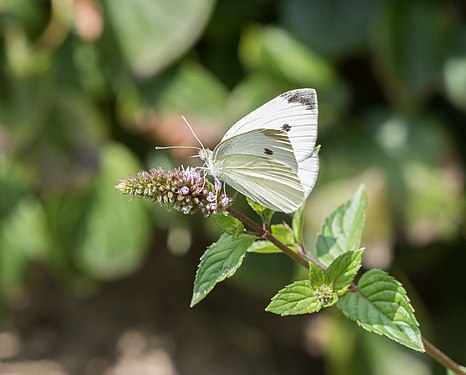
(377, 302)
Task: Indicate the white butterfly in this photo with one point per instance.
(270, 155)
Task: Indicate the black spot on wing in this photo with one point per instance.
(286, 127)
(268, 151)
(304, 97)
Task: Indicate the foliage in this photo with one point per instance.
(88, 88)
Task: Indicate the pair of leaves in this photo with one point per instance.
(321, 289)
(380, 303)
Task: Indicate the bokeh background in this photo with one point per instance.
(91, 283)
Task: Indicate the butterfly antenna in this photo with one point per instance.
(192, 131)
(169, 147)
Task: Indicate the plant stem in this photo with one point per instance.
(431, 350)
(264, 233)
(442, 358)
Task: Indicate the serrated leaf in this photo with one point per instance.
(382, 306)
(228, 224)
(265, 213)
(295, 299)
(283, 233)
(219, 261)
(342, 230)
(343, 269)
(317, 276)
(263, 247)
(297, 225)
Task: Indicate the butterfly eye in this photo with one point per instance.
(268, 151)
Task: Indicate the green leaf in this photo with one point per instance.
(317, 276)
(263, 247)
(228, 224)
(115, 233)
(382, 306)
(342, 230)
(283, 233)
(408, 47)
(219, 261)
(295, 299)
(297, 225)
(335, 28)
(343, 269)
(181, 94)
(274, 50)
(265, 213)
(152, 34)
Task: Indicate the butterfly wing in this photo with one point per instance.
(267, 182)
(294, 112)
(261, 165)
(266, 143)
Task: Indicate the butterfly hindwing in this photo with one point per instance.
(268, 182)
(266, 143)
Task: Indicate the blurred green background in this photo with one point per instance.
(93, 284)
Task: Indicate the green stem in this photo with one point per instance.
(431, 350)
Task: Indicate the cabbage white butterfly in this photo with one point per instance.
(270, 155)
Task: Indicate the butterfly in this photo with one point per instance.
(270, 155)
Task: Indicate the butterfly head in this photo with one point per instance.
(207, 156)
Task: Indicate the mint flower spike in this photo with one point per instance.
(182, 189)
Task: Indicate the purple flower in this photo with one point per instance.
(184, 190)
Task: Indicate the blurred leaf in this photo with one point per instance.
(343, 270)
(342, 229)
(194, 91)
(219, 262)
(454, 73)
(252, 92)
(295, 299)
(116, 232)
(408, 47)
(273, 50)
(153, 34)
(382, 306)
(228, 224)
(23, 236)
(333, 28)
(11, 186)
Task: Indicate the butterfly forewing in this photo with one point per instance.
(294, 112)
